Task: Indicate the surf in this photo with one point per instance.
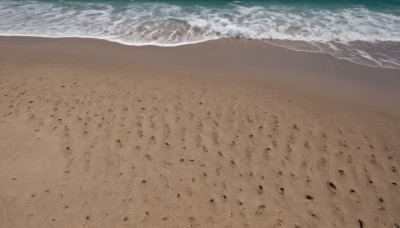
(364, 33)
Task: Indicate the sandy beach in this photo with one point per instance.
(226, 133)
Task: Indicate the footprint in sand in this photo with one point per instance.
(260, 189)
(260, 209)
(309, 197)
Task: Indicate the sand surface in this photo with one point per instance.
(96, 134)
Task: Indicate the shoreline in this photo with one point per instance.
(226, 133)
(286, 44)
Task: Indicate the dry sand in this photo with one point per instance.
(96, 134)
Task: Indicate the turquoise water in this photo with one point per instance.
(366, 32)
(323, 3)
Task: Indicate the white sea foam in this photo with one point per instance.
(358, 34)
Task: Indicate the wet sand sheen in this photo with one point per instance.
(226, 134)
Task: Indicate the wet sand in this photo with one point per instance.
(225, 133)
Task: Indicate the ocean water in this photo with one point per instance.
(362, 31)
